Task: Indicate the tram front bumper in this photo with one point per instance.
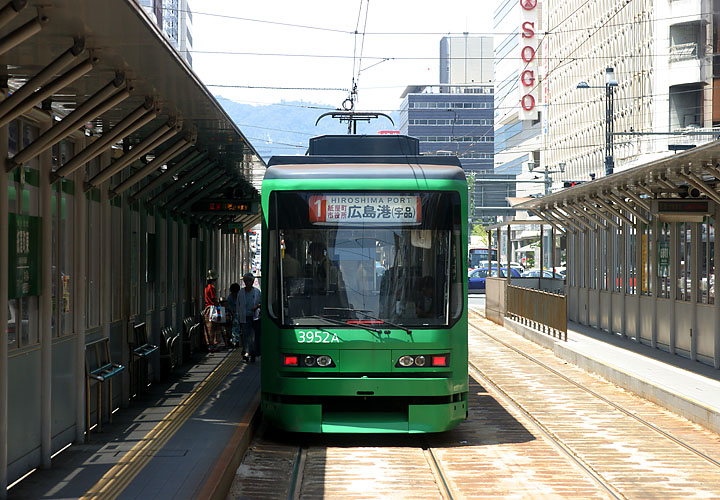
(366, 404)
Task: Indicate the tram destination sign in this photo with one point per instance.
(377, 209)
(221, 206)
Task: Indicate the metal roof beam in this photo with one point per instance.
(546, 219)
(627, 207)
(27, 30)
(88, 111)
(638, 201)
(617, 213)
(578, 217)
(11, 10)
(176, 149)
(712, 170)
(670, 187)
(163, 133)
(48, 90)
(217, 183)
(200, 170)
(562, 218)
(43, 77)
(132, 122)
(197, 185)
(646, 190)
(589, 205)
(190, 160)
(695, 181)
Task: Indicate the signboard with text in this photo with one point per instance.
(376, 209)
(224, 207)
(24, 271)
(528, 71)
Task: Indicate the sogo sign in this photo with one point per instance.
(528, 60)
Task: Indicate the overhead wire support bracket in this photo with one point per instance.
(352, 117)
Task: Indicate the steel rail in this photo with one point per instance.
(438, 473)
(603, 399)
(478, 375)
(297, 474)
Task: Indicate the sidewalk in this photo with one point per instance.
(182, 439)
(686, 387)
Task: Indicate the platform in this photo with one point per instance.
(683, 386)
(182, 439)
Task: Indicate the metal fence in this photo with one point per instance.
(543, 311)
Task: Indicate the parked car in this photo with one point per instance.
(535, 273)
(476, 277)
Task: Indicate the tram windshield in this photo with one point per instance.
(365, 259)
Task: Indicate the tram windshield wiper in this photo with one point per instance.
(345, 323)
(364, 312)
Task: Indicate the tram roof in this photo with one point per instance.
(121, 43)
(343, 167)
(692, 174)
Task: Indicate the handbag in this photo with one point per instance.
(217, 314)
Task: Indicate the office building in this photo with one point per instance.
(174, 18)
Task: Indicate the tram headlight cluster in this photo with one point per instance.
(422, 360)
(308, 360)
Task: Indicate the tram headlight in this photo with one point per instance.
(406, 361)
(324, 361)
(423, 361)
(309, 360)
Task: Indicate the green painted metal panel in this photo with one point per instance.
(360, 353)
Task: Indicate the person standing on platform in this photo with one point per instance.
(249, 299)
(234, 303)
(211, 300)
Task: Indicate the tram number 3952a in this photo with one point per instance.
(316, 337)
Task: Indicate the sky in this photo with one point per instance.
(380, 83)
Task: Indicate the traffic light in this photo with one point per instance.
(569, 184)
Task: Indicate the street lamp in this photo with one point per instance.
(547, 181)
(610, 84)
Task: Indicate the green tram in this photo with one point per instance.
(364, 284)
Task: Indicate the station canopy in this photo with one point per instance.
(682, 187)
(103, 69)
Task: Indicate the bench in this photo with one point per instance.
(187, 343)
(139, 351)
(100, 368)
(169, 355)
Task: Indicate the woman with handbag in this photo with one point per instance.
(211, 313)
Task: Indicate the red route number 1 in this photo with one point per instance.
(318, 209)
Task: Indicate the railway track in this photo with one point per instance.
(537, 428)
(649, 448)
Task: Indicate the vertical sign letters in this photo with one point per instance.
(528, 59)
